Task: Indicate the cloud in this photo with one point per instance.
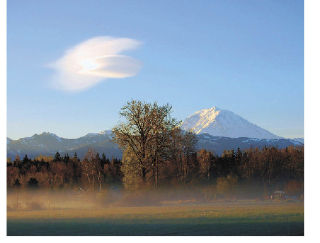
(94, 61)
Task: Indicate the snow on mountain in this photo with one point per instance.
(300, 140)
(106, 133)
(224, 123)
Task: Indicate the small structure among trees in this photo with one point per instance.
(280, 195)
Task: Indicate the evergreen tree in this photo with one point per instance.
(75, 157)
(66, 158)
(26, 159)
(103, 159)
(57, 157)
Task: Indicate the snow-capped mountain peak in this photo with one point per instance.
(201, 119)
(106, 133)
(224, 123)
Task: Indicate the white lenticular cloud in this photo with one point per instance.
(93, 61)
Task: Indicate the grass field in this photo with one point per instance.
(216, 218)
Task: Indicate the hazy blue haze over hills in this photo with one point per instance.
(49, 144)
(217, 130)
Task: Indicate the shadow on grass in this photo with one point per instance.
(151, 227)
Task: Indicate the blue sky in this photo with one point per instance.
(244, 56)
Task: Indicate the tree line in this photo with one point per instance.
(93, 172)
(157, 153)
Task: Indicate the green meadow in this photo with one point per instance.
(215, 219)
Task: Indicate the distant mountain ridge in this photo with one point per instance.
(224, 123)
(217, 130)
(49, 143)
(219, 144)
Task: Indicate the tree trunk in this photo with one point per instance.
(143, 170)
(157, 173)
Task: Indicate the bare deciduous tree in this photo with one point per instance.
(146, 134)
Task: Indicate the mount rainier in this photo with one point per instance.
(224, 123)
